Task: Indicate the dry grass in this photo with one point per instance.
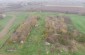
(23, 30)
(59, 35)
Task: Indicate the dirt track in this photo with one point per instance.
(7, 27)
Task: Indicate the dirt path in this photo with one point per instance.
(7, 27)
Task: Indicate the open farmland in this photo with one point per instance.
(43, 33)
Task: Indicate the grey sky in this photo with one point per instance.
(39, 0)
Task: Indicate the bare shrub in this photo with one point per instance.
(57, 31)
(81, 38)
(56, 24)
(24, 29)
(64, 40)
(52, 39)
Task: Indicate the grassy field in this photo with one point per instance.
(35, 42)
(20, 17)
(79, 22)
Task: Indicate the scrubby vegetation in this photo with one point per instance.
(37, 33)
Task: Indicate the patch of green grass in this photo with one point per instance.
(78, 22)
(4, 21)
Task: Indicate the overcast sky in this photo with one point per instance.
(38, 0)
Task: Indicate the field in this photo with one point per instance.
(35, 34)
